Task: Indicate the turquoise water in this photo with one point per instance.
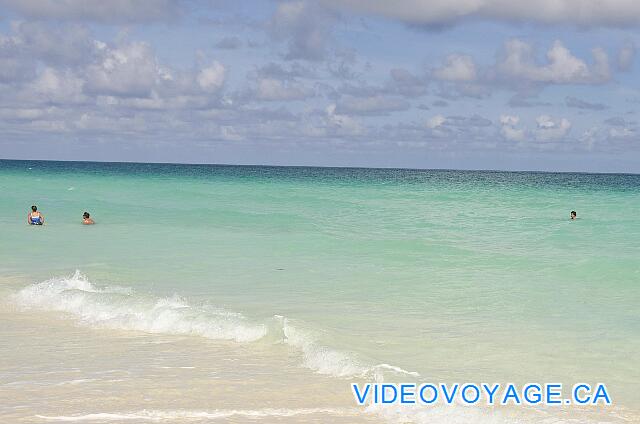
(455, 275)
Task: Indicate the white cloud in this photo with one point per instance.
(211, 78)
(56, 86)
(445, 12)
(305, 26)
(132, 71)
(436, 121)
(126, 70)
(589, 137)
(626, 56)
(69, 46)
(271, 89)
(513, 134)
(45, 64)
(620, 128)
(549, 128)
(519, 69)
(616, 132)
(562, 67)
(509, 120)
(342, 124)
(508, 128)
(457, 68)
(15, 63)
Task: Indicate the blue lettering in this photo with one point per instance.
(511, 394)
(449, 396)
(601, 392)
(433, 388)
(404, 393)
(576, 393)
(356, 391)
(491, 393)
(384, 392)
(533, 398)
(464, 393)
(553, 396)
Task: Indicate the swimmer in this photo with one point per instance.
(86, 219)
(574, 215)
(35, 217)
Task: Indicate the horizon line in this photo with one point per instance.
(318, 166)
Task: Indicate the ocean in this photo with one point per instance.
(251, 293)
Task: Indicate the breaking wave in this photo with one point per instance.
(123, 309)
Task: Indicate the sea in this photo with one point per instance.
(216, 293)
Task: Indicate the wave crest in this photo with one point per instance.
(121, 308)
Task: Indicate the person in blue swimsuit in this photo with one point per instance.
(35, 217)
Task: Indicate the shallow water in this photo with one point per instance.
(320, 277)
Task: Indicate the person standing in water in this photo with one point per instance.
(35, 217)
(86, 219)
(574, 215)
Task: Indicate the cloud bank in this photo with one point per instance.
(304, 77)
(584, 13)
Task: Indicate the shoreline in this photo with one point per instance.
(209, 379)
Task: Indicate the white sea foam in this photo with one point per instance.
(121, 308)
(449, 414)
(160, 416)
(325, 360)
(78, 381)
(321, 358)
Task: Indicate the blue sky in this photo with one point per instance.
(475, 84)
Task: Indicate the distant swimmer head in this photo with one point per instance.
(34, 208)
(574, 215)
(86, 219)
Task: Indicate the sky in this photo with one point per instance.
(457, 84)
